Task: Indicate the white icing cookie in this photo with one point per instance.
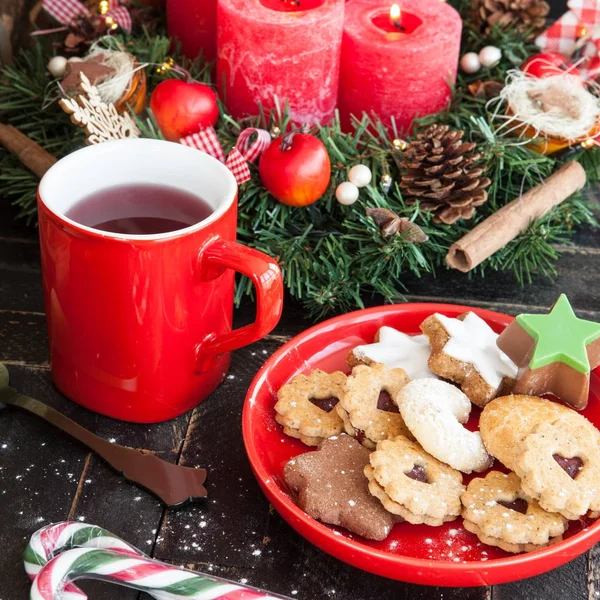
(434, 412)
(395, 349)
(473, 341)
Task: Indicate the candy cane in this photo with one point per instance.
(121, 563)
(52, 539)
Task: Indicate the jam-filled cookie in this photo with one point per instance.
(499, 512)
(306, 406)
(413, 484)
(560, 467)
(368, 404)
(505, 423)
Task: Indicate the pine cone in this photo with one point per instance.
(444, 174)
(525, 15)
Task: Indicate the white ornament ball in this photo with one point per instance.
(490, 56)
(469, 63)
(346, 193)
(57, 66)
(360, 175)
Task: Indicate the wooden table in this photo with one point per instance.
(45, 477)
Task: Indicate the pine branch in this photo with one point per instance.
(333, 256)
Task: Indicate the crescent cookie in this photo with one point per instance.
(413, 484)
(306, 406)
(500, 513)
(505, 423)
(367, 405)
(560, 467)
(464, 351)
(434, 411)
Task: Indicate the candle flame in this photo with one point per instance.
(395, 13)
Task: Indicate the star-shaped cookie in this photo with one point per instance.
(555, 353)
(464, 351)
(395, 349)
(329, 484)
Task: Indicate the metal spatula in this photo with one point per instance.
(173, 484)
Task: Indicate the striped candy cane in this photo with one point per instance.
(55, 538)
(121, 564)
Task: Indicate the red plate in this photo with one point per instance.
(443, 556)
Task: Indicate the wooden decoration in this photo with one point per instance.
(100, 120)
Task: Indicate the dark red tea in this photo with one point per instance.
(140, 209)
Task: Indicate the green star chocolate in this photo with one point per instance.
(555, 353)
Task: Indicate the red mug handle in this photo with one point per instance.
(265, 274)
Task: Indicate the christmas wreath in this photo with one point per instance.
(418, 195)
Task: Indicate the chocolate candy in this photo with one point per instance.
(555, 353)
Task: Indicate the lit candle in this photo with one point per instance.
(284, 48)
(398, 61)
(193, 23)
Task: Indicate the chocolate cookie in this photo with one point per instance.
(329, 485)
(306, 406)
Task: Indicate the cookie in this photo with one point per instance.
(306, 406)
(506, 421)
(560, 467)
(395, 349)
(434, 411)
(464, 351)
(413, 484)
(367, 405)
(329, 485)
(499, 512)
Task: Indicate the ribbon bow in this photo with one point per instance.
(67, 11)
(206, 140)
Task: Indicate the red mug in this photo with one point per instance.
(140, 326)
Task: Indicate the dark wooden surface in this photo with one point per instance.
(45, 477)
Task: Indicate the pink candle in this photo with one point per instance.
(194, 24)
(398, 65)
(284, 48)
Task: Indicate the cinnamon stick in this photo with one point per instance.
(504, 225)
(32, 155)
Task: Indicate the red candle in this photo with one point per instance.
(397, 61)
(194, 24)
(284, 48)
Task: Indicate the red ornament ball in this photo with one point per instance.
(295, 168)
(182, 107)
(548, 64)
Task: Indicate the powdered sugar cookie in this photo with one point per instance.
(500, 513)
(433, 410)
(330, 486)
(367, 405)
(413, 484)
(506, 421)
(464, 350)
(395, 349)
(306, 406)
(560, 467)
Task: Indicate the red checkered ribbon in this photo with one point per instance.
(562, 35)
(66, 11)
(245, 151)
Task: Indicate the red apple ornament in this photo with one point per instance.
(182, 107)
(295, 169)
(548, 64)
